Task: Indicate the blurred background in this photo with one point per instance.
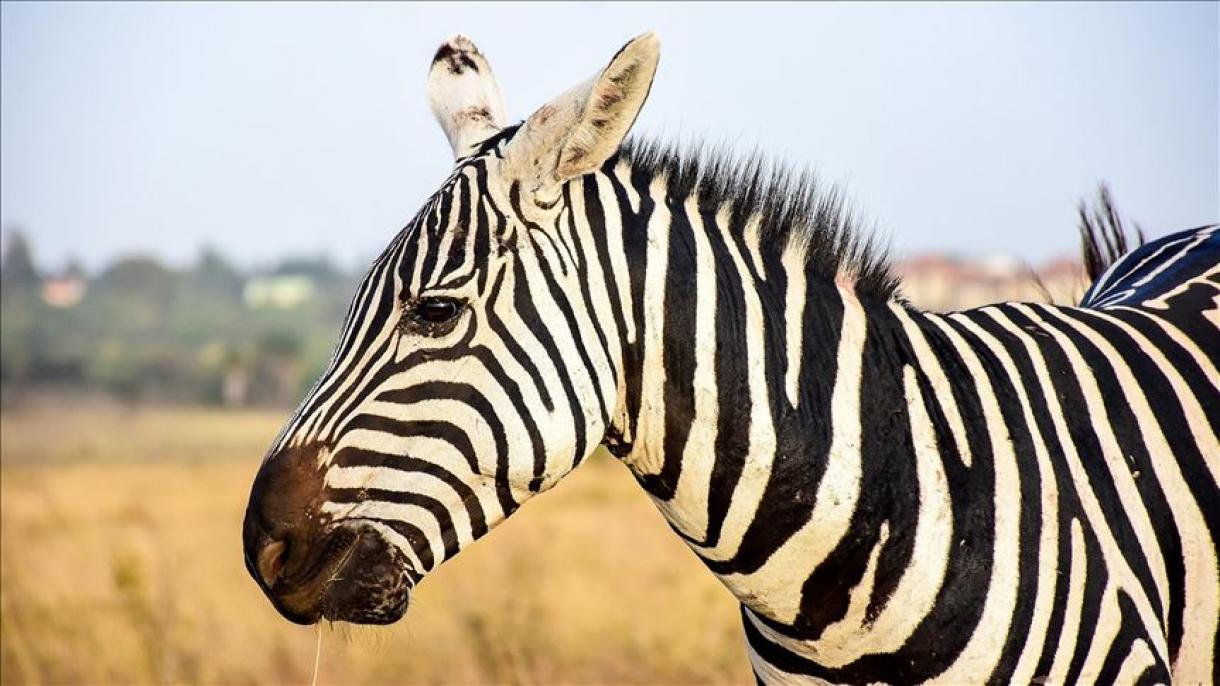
(189, 193)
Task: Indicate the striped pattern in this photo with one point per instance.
(1012, 493)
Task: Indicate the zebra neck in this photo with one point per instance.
(766, 409)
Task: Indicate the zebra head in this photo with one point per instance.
(472, 371)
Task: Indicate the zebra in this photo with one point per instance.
(1020, 492)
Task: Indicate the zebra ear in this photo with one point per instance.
(464, 95)
(577, 132)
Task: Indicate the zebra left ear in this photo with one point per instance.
(464, 95)
(577, 132)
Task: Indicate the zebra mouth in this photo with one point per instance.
(355, 576)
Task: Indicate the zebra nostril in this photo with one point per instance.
(271, 562)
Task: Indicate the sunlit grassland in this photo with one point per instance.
(120, 561)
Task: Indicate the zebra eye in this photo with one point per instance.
(435, 310)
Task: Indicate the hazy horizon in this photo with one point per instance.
(283, 129)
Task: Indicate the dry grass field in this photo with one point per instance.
(121, 562)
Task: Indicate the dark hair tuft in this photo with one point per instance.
(792, 204)
(1103, 236)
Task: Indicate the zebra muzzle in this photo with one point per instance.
(310, 567)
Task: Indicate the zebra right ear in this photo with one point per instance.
(578, 131)
(464, 95)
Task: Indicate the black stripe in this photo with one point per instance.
(678, 353)
(508, 340)
(1096, 581)
(523, 304)
(433, 506)
(471, 396)
(356, 457)
(583, 267)
(732, 382)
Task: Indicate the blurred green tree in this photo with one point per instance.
(147, 332)
(17, 271)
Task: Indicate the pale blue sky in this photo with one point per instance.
(303, 128)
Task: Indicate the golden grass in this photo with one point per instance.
(120, 562)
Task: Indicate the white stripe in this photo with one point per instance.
(422, 239)
(1047, 560)
(929, 365)
(1073, 606)
(599, 290)
(1115, 561)
(615, 244)
(1205, 364)
(1101, 634)
(687, 510)
(751, 235)
(982, 652)
(794, 261)
(1201, 606)
(448, 233)
(853, 637)
(357, 358)
(1165, 264)
(647, 455)
(1161, 302)
(771, 675)
(775, 588)
(1111, 273)
(915, 595)
(1119, 469)
(344, 406)
(1138, 660)
(420, 483)
(562, 451)
(756, 471)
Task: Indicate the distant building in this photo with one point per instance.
(938, 282)
(278, 290)
(66, 290)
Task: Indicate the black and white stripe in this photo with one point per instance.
(1015, 493)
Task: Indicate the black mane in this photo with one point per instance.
(791, 204)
